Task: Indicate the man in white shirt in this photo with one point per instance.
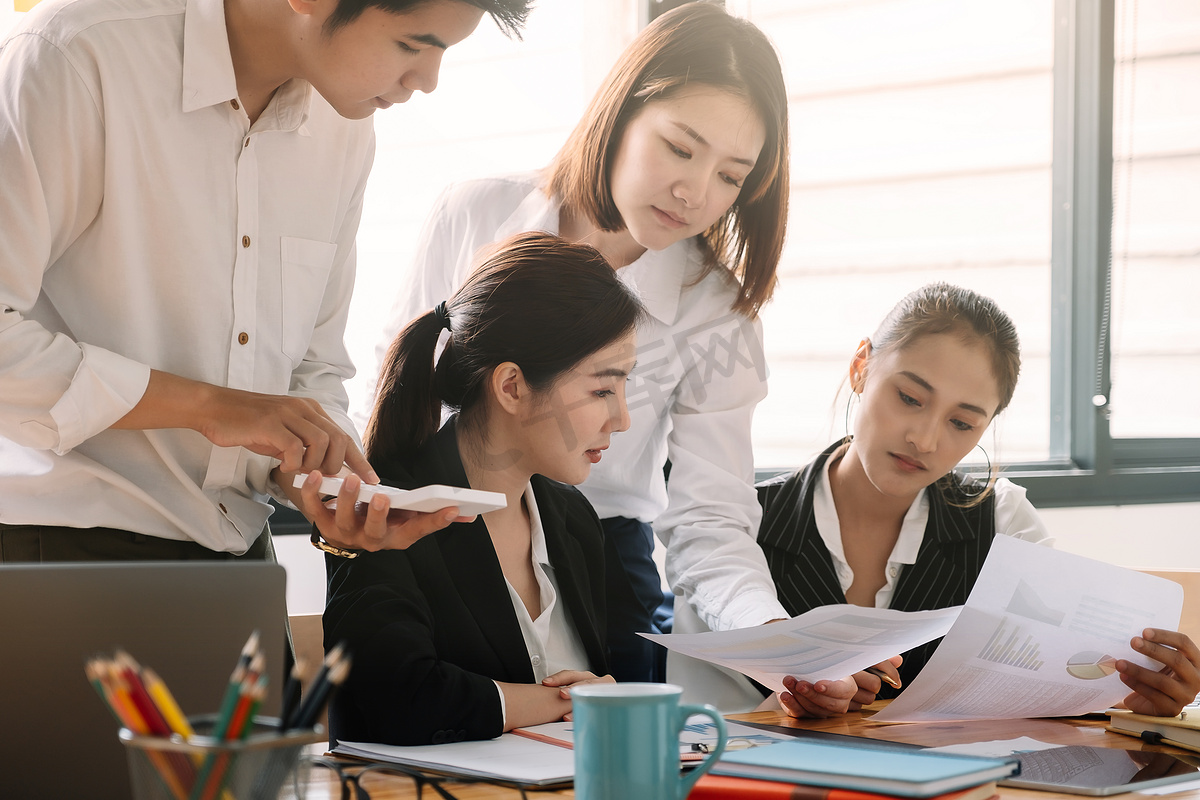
(183, 181)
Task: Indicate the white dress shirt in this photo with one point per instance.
(551, 639)
(145, 223)
(1015, 516)
(700, 373)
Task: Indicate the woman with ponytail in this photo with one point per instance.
(485, 625)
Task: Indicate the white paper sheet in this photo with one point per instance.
(1037, 638)
(997, 748)
(507, 757)
(699, 736)
(826, 643)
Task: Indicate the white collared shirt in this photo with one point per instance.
(1015, 516)
(144, 223)
(700, 373)
(551, 639)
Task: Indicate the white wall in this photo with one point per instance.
(305, 567)
(1160, 537)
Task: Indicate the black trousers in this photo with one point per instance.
(636, 602)
(35, 543)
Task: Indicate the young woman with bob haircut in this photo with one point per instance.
(678, 174)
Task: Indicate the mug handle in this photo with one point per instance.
(685, 711)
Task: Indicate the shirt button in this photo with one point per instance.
(246, 143)
(245, 241)
(535, 660)
(892, 571)
(243, 338)
(221, 506)
(235, 105)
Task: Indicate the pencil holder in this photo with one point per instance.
(203, 768)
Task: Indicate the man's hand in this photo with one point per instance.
(1163, 693)
(346, 523)
(295, 430)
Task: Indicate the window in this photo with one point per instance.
(1156, 220)
(922, 144)
(945, 140)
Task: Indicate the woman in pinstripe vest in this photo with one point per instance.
(881, 519)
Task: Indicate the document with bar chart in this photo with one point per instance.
(825, 643)
(1039, 636)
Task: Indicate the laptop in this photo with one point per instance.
(186, 620)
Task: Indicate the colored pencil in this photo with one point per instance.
(155, 723)
(318, 696)
(295, 720)
(122, 702)
(291, 694)
(236, 696)
(166, 704)
(250, 648)
(240, 725)
(94, 674)
(140, 701)
(130, 671)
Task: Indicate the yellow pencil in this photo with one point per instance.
(167, 706)
(172, 713)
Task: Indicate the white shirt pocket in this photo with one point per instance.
(305, 265)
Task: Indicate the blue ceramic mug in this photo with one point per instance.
(626, 739)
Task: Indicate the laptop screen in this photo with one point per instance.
(186, 620)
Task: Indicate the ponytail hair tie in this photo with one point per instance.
(442, 315)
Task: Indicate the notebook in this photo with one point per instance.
(186, 620)
(1180, 731)
(911, 773)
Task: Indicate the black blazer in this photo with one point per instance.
(952, 552)
(431, 627)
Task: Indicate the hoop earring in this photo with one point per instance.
(846, 421)
(987, 473)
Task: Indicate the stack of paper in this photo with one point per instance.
(507, 759)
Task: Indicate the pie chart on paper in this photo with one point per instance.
(1090, 665)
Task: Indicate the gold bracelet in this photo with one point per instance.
(320, 544)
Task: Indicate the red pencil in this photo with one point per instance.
(131, 672)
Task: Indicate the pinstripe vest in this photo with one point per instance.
(952, 552)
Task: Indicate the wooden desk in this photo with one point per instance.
(1058, 731)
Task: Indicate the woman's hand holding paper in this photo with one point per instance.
(1165, 692)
